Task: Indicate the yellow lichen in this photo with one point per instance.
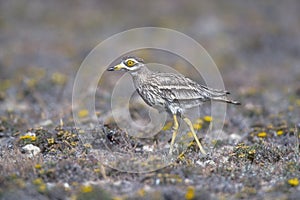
(38, 181)
(249, 190)
(20, 183)
(58, 78)
(86, 188)
(242, 155)
(167, 126)
(88, 145)
(83, 113)
(28, 137)
(42, 188)
(293, 181)
(97, 170)
(38, 166)
(141, 192)
(298, 102)
(214, 142)
(199, 121)
(50, 140)
(5, 84)
(117, 198)
(280, 132)
(74, 183)
(241, 146)
(262, 134)
(31, 83)
(270, 126)
(190, 193)
(60, 133)
(197, 126)
(207, 118)
(253, 151)
(190, 134)
(73, 144)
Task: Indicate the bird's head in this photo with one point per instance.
(128, 64)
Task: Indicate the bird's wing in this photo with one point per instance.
(177, 87)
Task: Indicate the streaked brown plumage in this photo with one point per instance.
(170, 92)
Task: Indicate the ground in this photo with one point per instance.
(256, 46)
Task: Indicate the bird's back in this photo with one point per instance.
(165, 89)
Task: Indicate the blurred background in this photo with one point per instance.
(255, 44)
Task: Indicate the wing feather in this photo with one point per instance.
(169, 87)
(177, 87)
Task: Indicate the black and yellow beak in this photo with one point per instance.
(115, 68)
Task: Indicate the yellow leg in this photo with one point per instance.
(175, 129)
(189, 123)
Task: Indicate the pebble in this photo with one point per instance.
(148, 148)
(31, 150)
(234, 136)
(47, 122)
(30, 133)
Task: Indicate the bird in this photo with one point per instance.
(170, 92)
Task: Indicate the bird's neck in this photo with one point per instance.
(140, 72)
(139, 76)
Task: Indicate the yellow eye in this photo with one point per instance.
(130, 63)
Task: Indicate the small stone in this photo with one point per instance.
(200, 163)
(210, 163)
(30, 134)
(31, 150)
(188, 181)
(46, 123)
(157, 181)
(235, 136)
(66, 186)
(148, 148)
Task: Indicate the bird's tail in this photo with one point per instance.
(221, 95)
(218, 95)
(225, 99)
